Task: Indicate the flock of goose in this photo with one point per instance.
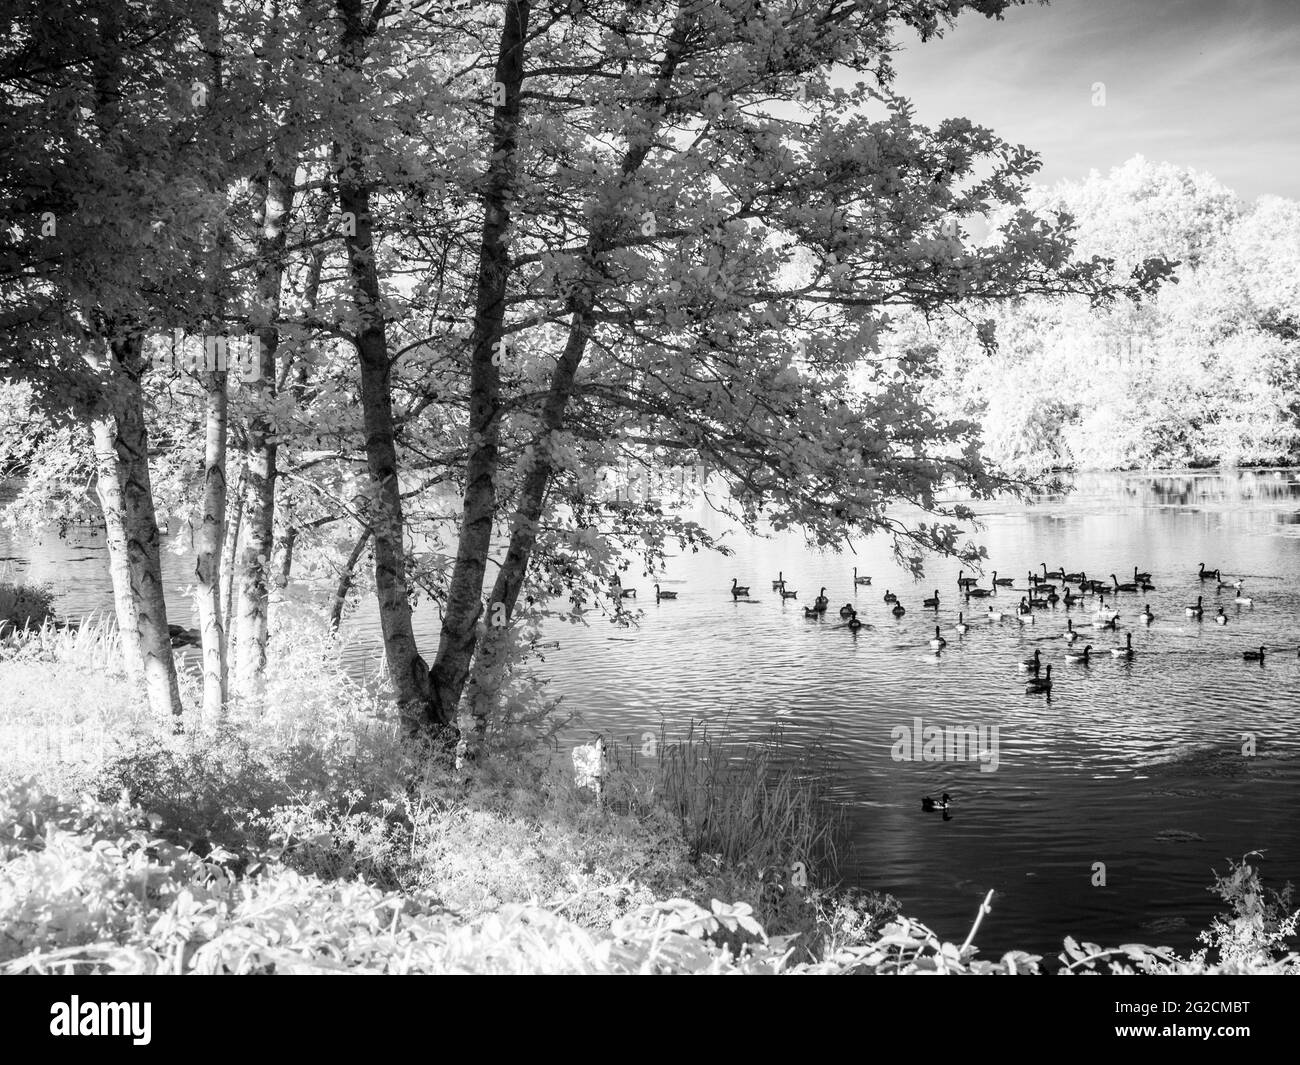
(1042, 592)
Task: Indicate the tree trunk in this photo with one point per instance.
(465, 593)
(207, 565)
(276, 189)
(229, 552)
(345, 581)
(407, 671)
(142, 540)
(108, 486)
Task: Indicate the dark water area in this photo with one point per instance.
(1138, 764)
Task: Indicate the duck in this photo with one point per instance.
(1071, 633)
(1197, 610)
(1127, 586)
(1206, 574)
(1146, 617)
(961, 628)
(930, 805)
(859, 580)
(899, 610)
(847, 611)
(1032, 664)
(854, 623)
(1001, 582)
(737, 589)
(1254, 656)
(1039, 684)
(890, 597)
(1221, 618)
(788, 595)
(1126, 651)
(665, 595)
(1080, 657)
(938, 640)
(932, 601)
(966, 582)
(821, 602)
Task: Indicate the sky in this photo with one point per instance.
(1208, 84)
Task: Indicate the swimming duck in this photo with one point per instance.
(1040, 684)
(1126, 651)
(738, 589)
(1254, 656)
(663, 595)
(859, 580)
(938, 640)
(1032, 665)
(930, 805)
(932, 601)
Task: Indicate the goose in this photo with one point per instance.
(938, 640)
(1221, 618)
(899, 610)
(1080, 657)
(1071, 599)
(1197, 610)
(847, 611)
(933, 601)
(1035, 579)
(1111, 623)
(788, 595)
(627, 593)
(1254, 656)
(1024, 607)
(994, 615)
(1126, 651)
(1140, 578)
(821, 602)
(890, 597)
(1126, 587)
(1032, 665)
(961, 628)
(663, 595)
(966, 582)
(859, 580)
(736, 588)
(1001, 582)
(1244, 600)
(780, 581)
(1038, 602)
(1039, 684)
(930, 805)
(1054, 575)
(977, 593)
(1074, 578)
(1206, 574)
(854, 623)
(1071, 633)
(1052, 597)
(1146, 617)
(811, 612)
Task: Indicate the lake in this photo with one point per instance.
(1136, 769)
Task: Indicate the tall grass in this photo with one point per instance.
(762, 804)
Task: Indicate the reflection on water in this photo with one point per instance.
(1135, 764)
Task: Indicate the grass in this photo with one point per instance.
(311, 838)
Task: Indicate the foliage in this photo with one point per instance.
(24, 606)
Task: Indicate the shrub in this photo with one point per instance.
(24, 606)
